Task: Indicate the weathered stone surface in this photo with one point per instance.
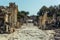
(30, 32)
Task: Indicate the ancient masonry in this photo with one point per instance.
(8, 17)
(44, 19)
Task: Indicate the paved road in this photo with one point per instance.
(30, 32)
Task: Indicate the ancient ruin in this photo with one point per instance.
(45, 21)
(8, 18)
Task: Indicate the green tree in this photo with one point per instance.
(42, 10)
(22, 14)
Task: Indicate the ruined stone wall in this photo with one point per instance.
(14, 12)
(43, 19)
(10, 16)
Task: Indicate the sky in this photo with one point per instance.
(32, 6)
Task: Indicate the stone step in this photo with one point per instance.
(57, 31)
(57, 38)
(57, 34)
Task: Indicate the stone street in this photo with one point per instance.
(29, 32)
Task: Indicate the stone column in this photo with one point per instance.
(6, 21)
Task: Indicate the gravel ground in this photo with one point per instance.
(29, 32)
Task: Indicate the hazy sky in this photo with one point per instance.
(31, 5)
